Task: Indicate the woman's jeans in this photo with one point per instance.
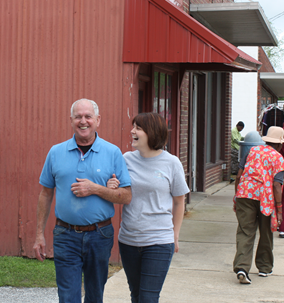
(77, 252)
(146, 269)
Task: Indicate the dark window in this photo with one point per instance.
(163, 100)
(215, 117)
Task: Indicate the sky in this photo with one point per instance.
(271, 9)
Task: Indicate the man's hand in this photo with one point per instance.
(43, 210)
(83, 188)
(39, 248)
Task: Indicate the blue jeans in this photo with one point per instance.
(146, 269)
(77, 252)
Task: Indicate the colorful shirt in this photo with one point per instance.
(256, 182)
(236, 137)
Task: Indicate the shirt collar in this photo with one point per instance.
(95, 147)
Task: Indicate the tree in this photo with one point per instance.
(276, 53)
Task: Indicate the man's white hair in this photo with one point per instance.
(95, 106)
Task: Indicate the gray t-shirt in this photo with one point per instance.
(147, 220)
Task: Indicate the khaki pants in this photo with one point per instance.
(249, 218)
(234, 161)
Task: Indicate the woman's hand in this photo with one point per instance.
(279, 219)
(113, 182)
(176, 246)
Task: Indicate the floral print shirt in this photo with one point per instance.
(256, 183)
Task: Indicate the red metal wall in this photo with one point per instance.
(53, 52)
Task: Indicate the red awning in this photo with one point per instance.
(157, 31)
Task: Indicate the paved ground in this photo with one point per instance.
(28, 295)
(202, 270)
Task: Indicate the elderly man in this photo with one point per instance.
(79, 169)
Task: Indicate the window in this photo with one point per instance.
(266, 98)
(215, 117)
(162, 103)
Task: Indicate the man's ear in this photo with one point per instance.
(98, 120)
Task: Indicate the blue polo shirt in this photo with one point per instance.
(65, 163)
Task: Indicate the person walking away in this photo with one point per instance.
(79, 169)
(281, 227)
(236, 137)
(258, 204)
(151, 223)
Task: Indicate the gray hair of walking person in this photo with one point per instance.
(94, 104)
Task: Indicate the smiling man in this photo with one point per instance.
(79, 169)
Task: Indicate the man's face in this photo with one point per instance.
(240, 128)
(84, 123)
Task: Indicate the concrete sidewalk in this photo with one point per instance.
(202, 270)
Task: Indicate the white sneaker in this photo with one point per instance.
(264, 274)
(243, 277)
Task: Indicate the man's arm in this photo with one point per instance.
(85, 187)
(43, 210)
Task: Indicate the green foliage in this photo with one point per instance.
(23, 272)
(275, 53)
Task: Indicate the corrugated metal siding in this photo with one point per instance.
(98, 32)
(152, 33)
(46, 94)
(10, 62)
(158, 31)
(52, 52)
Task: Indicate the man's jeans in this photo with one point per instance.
(77, 252)
(146, 269)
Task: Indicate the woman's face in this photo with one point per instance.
(139, 137)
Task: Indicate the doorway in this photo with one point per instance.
(194, 134)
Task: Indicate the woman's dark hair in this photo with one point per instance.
(241, 123)
(155, 126)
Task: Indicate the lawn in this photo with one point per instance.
(24, 272)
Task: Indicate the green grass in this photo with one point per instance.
(23, 272)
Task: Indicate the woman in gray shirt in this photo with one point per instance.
(151, 223)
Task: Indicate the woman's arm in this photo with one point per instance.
(178, 213)
(277, 191)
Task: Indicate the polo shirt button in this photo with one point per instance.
(83, 159)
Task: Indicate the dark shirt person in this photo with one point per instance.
(79, 169)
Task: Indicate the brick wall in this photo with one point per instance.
(184, 104)
(266, 65)
(213, 175)
(186, 6)
(228, 121)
